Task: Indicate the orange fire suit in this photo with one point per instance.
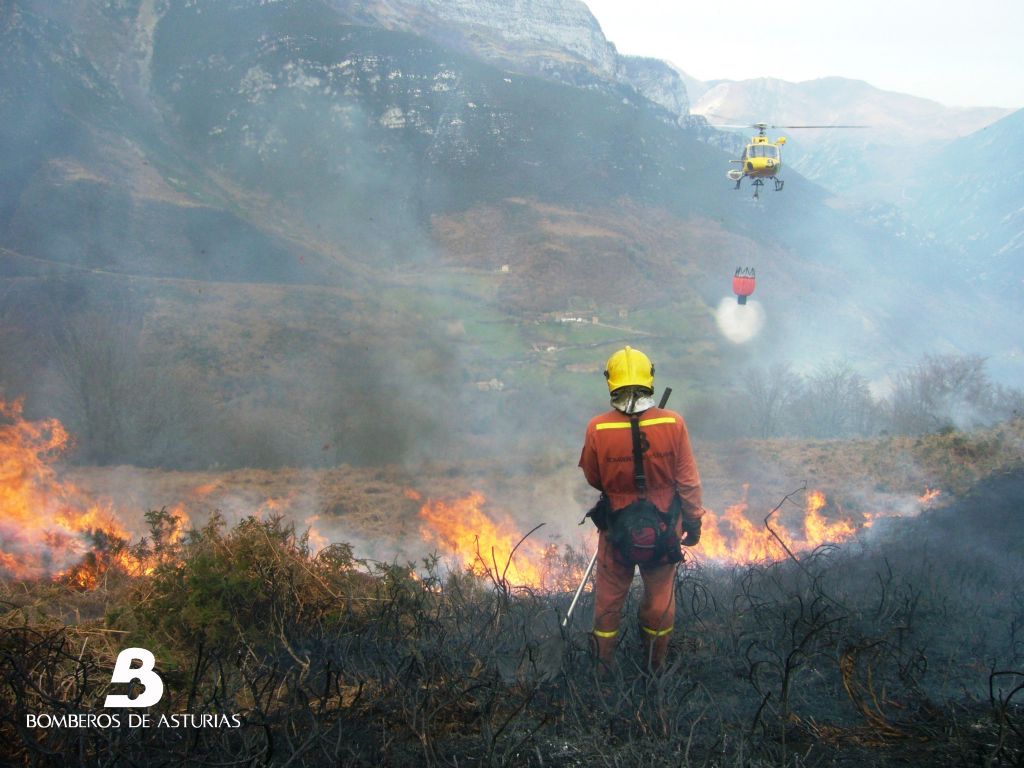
(670, 469)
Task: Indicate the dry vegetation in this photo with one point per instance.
(905, 651)
(370, 507)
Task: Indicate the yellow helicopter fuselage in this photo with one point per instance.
(762, 159)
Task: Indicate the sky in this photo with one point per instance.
(960, 56)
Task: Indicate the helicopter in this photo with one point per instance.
(762, 158)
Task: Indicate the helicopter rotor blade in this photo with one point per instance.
(819, 126)
(763, 126)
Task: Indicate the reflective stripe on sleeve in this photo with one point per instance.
(609, 633)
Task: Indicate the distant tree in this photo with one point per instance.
(940, 392)
(769, 393)
(1007, 403)
(835, 402)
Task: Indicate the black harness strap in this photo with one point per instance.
(639, 477)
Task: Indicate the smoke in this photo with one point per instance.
(739, 323)
(364, 368)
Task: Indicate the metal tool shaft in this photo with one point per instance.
(579, 590)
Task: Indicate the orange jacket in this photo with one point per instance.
(669, 465)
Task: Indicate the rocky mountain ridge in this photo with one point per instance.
(556, 39)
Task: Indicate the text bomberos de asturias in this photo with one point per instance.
(104, 720)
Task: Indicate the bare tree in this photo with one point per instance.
(836, 402)
(1007, 403)
(942, 391)
(770, 392)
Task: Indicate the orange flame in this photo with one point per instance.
(316, 540)
(479, 543)
(735, 539)
(47, 527)
(485, 545)
(929, 495)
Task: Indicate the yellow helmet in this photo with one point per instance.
(629, 367)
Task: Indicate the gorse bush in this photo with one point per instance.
(256, 583)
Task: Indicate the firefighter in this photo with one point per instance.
(668, 472)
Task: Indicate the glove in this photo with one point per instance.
(691, 532)
(600, 513)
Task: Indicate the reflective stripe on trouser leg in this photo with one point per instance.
(611, 587)
(657, 612)
(605, 642)
(656, 632)
(658, 606)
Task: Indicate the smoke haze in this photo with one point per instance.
(275, 239)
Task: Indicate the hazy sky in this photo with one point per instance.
(958, 55)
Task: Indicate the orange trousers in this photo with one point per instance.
(657, 610)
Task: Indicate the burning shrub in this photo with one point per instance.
(256, 584)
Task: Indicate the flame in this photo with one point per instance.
(183, 523)
(47, 526)
(734, 539)
(315, 540)
(204, 490)
(484, 545)
(480, 544)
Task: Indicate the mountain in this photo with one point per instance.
(921, 169)
(559, 40)
(869, 164)
(311, 232)
(970, 197)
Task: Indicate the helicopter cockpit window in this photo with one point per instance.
(764, 150)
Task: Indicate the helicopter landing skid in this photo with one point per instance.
(758, 183)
